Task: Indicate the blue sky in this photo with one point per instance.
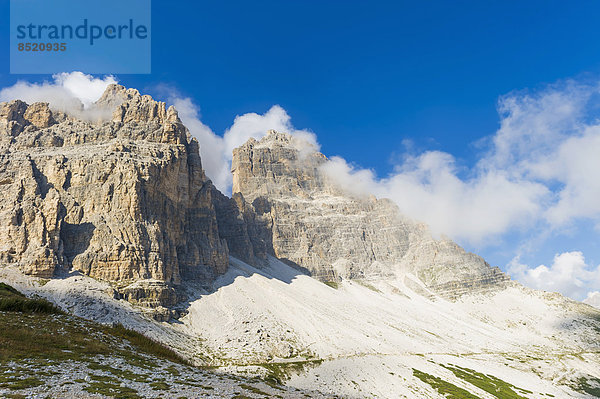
(380, 82)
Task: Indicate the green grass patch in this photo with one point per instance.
(111, 390)
(488, 383)
(253, 389)
(332, 284)
(173, 371)
(45, 336)
(367, 285)
(445, 388)
(12, 300)
(160, 386)
(589, 385)
(275, 385)
(15, 383)
(7, 290)
(122, 374)
(145, 344)
(279, 372)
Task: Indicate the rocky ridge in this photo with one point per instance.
(311, 221)
(125, 199)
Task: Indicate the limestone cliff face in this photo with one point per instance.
(310, 221)
(246, 239)
(120, 200)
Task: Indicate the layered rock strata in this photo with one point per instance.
(314, 223)
(122, 200)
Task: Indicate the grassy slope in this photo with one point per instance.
(34, 328)
(38, 342)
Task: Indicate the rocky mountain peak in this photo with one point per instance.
(130, 105)
(274, 139)
(121, 200)
(277, 165)
(315, 224)
(17, 115)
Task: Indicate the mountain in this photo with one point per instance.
(295, 278)
(312, 222)
(125, 200)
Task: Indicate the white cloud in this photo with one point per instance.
(427, 188)
(540, 169)
(532, 124)
(73, 93)
(575, 165)
(593, 299)
(569, 274)
(553, 137)
(216, 151)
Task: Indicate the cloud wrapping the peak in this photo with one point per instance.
(539, 169)
(67, 92)
(427, 188)
(216, 151)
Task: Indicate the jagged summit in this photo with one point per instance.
(279, 164)
(129, 105)
(104, 120)
(122, 200)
